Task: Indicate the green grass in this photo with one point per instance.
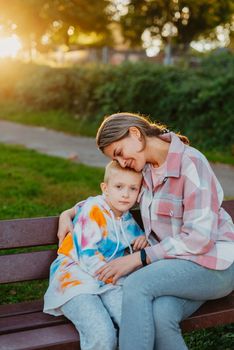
(38, 185)
(219, 338)
(35, 185)
(27, 291)
(219, 157)
(72, 124)
(53, 119)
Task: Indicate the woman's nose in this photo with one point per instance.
(122, 162)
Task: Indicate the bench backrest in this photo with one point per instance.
(15, 265)
(19, 266)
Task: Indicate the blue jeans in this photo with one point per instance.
(157, 297)
(93, 317)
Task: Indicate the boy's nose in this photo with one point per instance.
(125, 193)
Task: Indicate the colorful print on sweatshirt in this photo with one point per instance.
(98, 237)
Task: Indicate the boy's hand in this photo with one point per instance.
(119, 267)
(140, 243)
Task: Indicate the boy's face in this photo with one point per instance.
(121, 190)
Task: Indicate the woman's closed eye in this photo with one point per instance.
(117, 153)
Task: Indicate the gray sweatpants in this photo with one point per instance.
(93, 317)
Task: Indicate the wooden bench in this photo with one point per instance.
(25, 326)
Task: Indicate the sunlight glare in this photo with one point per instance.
(9, 46)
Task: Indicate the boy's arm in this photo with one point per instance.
(90, 229)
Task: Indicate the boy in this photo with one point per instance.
(103, 228)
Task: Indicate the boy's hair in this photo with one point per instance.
(114, 166)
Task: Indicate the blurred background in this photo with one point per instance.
(66, 64)
(111, 31)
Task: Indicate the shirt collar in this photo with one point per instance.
(174, 156)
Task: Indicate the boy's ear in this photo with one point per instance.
(103, 187)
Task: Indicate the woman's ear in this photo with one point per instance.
(134, 131)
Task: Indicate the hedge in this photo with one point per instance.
(198, 102)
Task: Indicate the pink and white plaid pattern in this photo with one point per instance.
(182, 212)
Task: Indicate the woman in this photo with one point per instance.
(191, 252)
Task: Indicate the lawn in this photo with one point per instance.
(37, 185)
(53, 119)
(69, 123)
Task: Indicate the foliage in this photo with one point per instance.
(184, 20)
(219, 338)
(31, 19)
(198, 102)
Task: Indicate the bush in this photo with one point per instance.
(198, 102)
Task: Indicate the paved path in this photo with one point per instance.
(82, 149)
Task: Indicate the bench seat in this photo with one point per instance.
(61, 337)
(42, 331)
(23, 326)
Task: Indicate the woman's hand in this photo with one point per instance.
(65, 224)
(140, 243)
(119, 267)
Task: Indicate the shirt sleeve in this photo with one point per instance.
(90, 228)
(203, 196)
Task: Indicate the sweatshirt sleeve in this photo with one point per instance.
(90, 228)
(199, 211)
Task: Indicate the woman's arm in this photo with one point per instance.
(65, 223)
(120, 267)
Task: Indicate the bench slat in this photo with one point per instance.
(213, 313)
(62, 337)
(229, 207)
(28, 232)
(29, 321)
(24, 307)
(43, 231)
(26, 266)
(208, 321)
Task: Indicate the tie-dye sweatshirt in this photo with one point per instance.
(98, 237)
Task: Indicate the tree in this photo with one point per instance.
(75, 17)
(61, 21)
(180, 21)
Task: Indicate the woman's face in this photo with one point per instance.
(129, 151)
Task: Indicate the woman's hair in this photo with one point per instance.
(116, 126)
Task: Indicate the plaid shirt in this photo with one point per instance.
(181, 210)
